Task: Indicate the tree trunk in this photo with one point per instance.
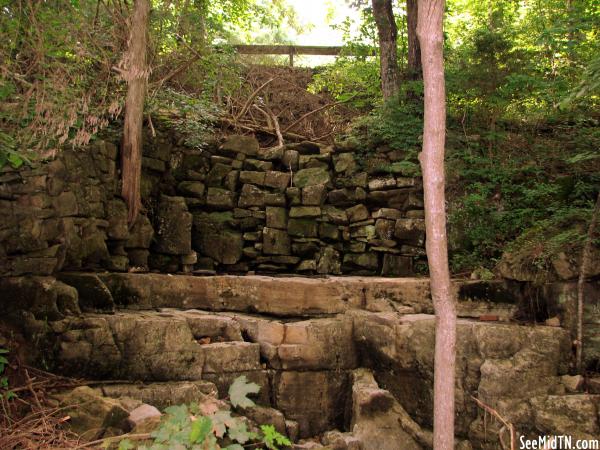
(583, 269)
(135, 72)
(430, 33)
(388, 34)
(415, 72)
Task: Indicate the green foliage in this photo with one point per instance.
(5, 392)
(201, 427)
(272, 438)
(191, 116)
(239, 390)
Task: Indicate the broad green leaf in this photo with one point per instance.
(125, 444)
(200, 430)
(239, 390)
(239, 432)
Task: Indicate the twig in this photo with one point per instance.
(509, 426)
(277, 129)
(251, 98)
(310, 113)
(140, 436)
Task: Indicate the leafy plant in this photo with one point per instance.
(206, 427)
(5, 392)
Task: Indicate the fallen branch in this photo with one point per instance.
(288, 136)
(314, 111)
(507, 425)
(251, 98)
(110, 440)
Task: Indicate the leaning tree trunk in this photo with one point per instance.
(135, 72)
(586, 257)
(388, 34)
(430, 34)
(415, 72)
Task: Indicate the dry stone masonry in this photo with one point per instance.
(235, 207)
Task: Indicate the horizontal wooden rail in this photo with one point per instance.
(290, 50)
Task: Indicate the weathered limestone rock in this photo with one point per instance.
(314, 399)
(311, 177)
(220, 199)
(329, 261)
(43, 297)
(162, 395)
(217, 174)
(247, 145)
(314, 195)
(394, 265)
(357, 213)
(303, 228)
(141, 233)
(368, 261)
(116, 212)
(213, 237)
(142, 414)
(174, 226)
(251, 196)
(305, 211)
(250, 177)
(194, 189)
(344, 163)
(277, 180)
(91, 413)
(572, 415)
(276, 242)
(410, 230)
(277, 217)
(92, 293)
(376, 417)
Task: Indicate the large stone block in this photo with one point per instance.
(311, 177)
(234, 144)
(276, 242)
(220, 199)
(251, 196)
(174, 226)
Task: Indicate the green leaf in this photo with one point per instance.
(272, 437)
(234, 447)
(239, 432)
(200, 430)
(221, 421)
(125, 444)
(239, 390)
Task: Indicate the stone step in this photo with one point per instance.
(284, 296)
(152, 346)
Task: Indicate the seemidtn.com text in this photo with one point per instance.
(560, 442)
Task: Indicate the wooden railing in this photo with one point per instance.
(290, 50)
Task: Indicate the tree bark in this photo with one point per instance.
(415, 71)
(388, 56)
(430, 33)
(135, 72)
(586, 257)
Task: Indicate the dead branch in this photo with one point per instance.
(251, 98)
(507, 425)
(310, 113)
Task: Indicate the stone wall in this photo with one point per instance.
(232, 208)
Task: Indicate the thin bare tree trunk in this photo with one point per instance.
(583, 270)
(430, 32)
(415, 71)
(135, 72)
(388, 56)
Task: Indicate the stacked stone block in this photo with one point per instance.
(300, 208)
